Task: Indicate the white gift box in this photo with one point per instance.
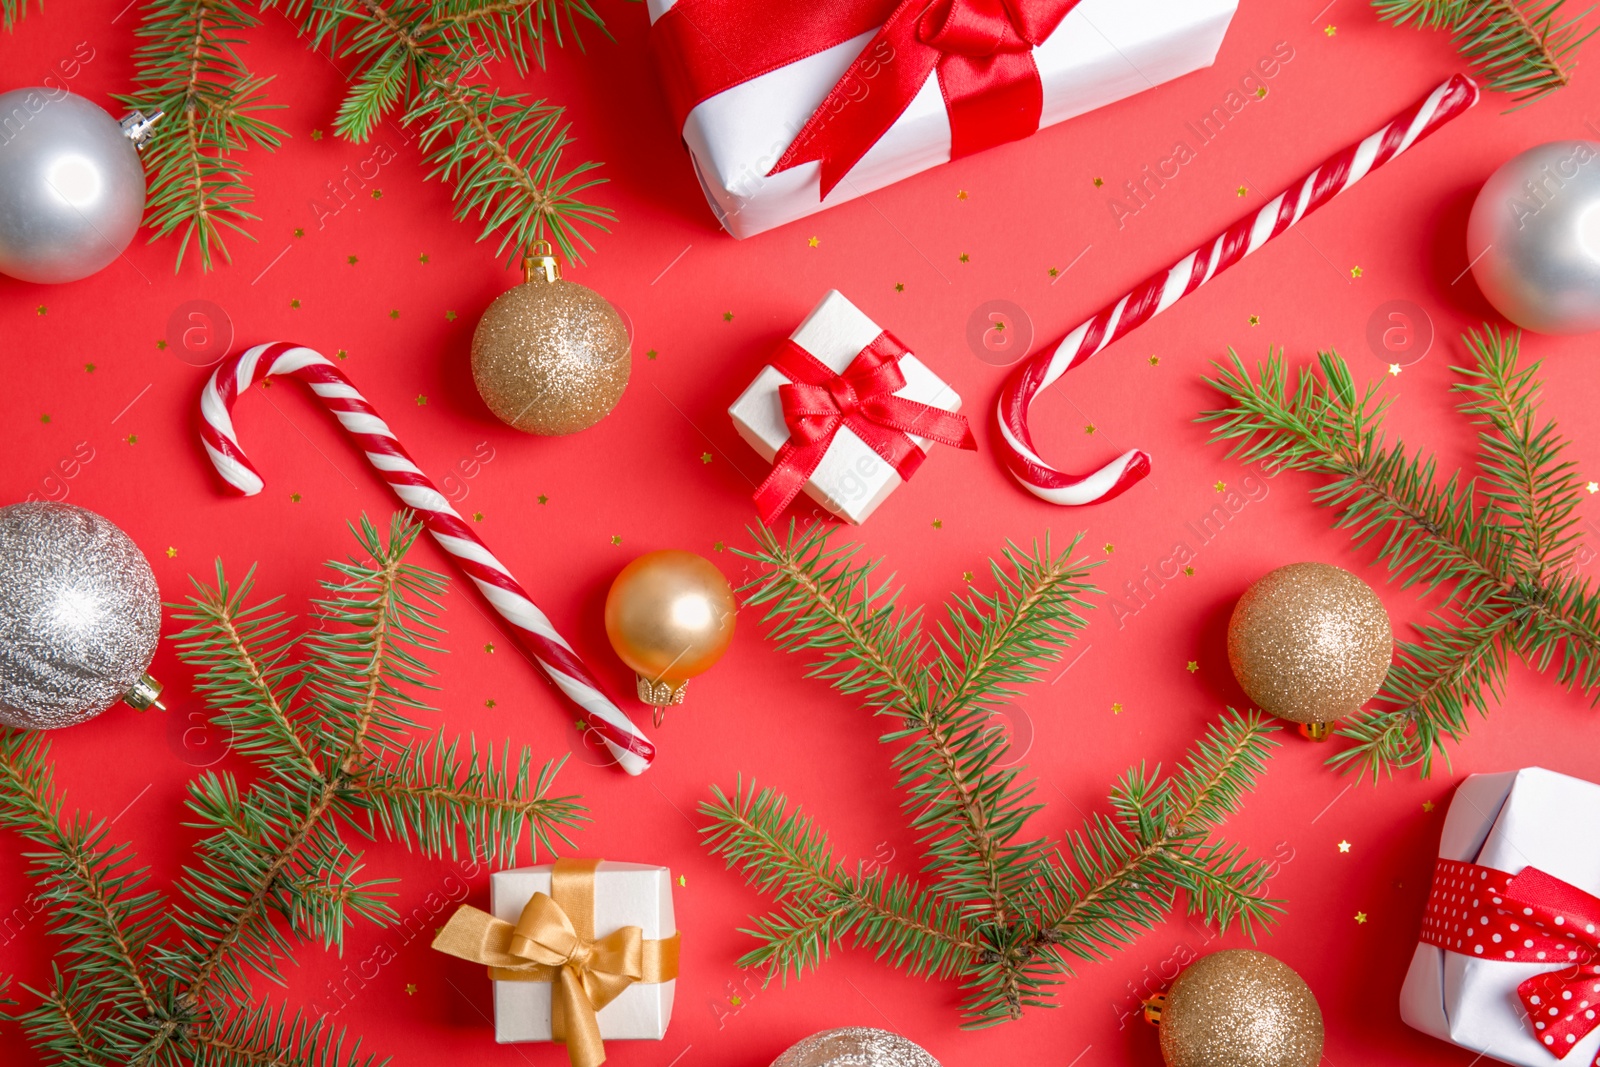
(852, 479)
(1527, 818)
(1103, 51)
(625, 894)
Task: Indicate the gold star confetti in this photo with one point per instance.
(377, 194)
(394, 313)
(1191, 666)
(477, 516)
(161, 346)
(1355, 272)
(705, 457)
(965, 258)
(966, 576)
(1255, 320)
(1155, 361)
(1053, 272)
(650, 354)
(1110, 548)
(735, 1000)
(812, 242)
(1344, 846)
(1261, 93)
(682, 881)
(1188, 572)
(449, 316)
(899, 287)
(411, 989)
(1098, 182)
(938, 524)
(294, 498)
(1593, 487)
(299, 231)
(1116, 709)
(961, 194)
(171, 552)
(1089, 429)
(342, 354)
(489, 648)
(351, 260)
(543, 499)
(316, 135)
(41, 310)
(580, 725)
(489, 703)
(422, 257)
(421, 400)
(719, 547)
(1427, 805)
(1394, 369)
(132, 438)
(1241, 191)
(1330, 29)
(1361, 918)
(727, 316)
(616, 539)
(88, 368)
(1220, 485)
(295, 302)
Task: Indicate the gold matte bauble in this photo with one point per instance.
(670, 616)
(550, 356)
(1310, 643)
(1240, 1009)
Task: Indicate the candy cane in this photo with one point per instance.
(1161, 291)
(362, 422)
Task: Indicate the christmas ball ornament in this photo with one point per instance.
(1534, 238)
(71, 185)
(670, 616)
(79, 617)
(550, 356)
(1240, 1008)
(855, 1046)
(1310, 643)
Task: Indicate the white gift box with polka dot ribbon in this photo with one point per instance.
(1508, 821)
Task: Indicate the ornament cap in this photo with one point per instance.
(136, 126)
(1316, 731)
(540, 264)
(660, 694)
(146, 693)
(1153, 1008)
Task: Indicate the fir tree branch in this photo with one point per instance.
(14, 11)
(260, 1036)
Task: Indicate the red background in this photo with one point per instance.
(666, 469)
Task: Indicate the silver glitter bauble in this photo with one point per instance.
(79, 616)
(71, 185)
(855, 1046)
(550, 356)
(1534, 238)
(1240, 1008)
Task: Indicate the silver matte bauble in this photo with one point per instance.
(1534, 238)
(855, 1046)
(71, 185)
(79, 616)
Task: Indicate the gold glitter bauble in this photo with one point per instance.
(550, 356)
(1240, 1009)
(670, 616)
(1310, 642)
(856, 1046)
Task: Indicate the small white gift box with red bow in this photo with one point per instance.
(845, 413)
(1509, 960)
(788, 108)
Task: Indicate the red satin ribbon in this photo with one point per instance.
(1533, 917)
(982, 49)
(817, 402)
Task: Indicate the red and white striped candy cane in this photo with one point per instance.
(362, 422)
(1161, 291)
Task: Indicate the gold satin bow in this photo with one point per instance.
(553, 941)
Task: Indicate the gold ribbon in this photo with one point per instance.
(553, 941)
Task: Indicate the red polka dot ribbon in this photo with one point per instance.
(1532, 917)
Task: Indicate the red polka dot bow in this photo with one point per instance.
(1530, 918)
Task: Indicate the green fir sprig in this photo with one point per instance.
(1525, 48)
(999, 909)
(149, 978)
(1501, 545)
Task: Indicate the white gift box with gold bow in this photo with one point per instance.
(625, 894)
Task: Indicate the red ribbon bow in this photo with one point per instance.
(817, 402)
(983, 50)
(1533, 917)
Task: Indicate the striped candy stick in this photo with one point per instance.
(1161, 291)
(361, 421)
